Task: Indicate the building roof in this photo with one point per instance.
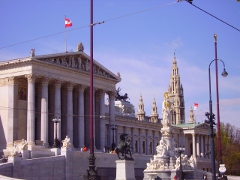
(190, 125)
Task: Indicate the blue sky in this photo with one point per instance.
(140, 46)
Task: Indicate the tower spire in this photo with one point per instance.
(176, 95)
(141, 112)
(154, 114)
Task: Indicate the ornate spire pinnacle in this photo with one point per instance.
(175, 91)
(154, 114)
(141, 112)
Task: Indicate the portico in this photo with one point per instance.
(39, 88)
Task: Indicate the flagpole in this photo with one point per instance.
(65, 34)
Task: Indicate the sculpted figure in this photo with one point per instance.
(123, 149)
(166, 109)
(177, 165)
(15, 150)
(191, 161)
(74, 65)
(79, 62)
(66, 142)
(87, 65)
(24, 144)
(80, 47)
(32, 52)
(162, 148)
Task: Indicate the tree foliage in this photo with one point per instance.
(230, 141)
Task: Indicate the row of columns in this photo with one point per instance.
(44, 104)
(150, 138)
(200, 144)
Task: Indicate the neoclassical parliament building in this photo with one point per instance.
(36, 89)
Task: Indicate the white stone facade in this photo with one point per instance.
(36, 89)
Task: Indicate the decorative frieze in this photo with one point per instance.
(76, 62)
(9, 81)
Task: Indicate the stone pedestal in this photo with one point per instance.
(25, 154)
(125, 170)
(56, 151)
(16, 160)
(67, 152)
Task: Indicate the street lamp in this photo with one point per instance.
(113, 128)
(224, 74)
(180, 150)
(56, 143)
(211, 117)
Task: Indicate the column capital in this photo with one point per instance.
(111, 94)
(70, 86)
(45, 80)
(12, 80)
(81, 88)
(100, 92)
(58, 83)
(31, 78)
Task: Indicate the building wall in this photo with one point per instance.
(70, 165)
(3, 116)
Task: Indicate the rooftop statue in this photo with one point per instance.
(80, 47)
(119, 97)
(123, 149)
(32, 52)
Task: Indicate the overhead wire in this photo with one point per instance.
(123, 16)
(100, 22)
(215, 17)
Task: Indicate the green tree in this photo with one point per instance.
(230, 141)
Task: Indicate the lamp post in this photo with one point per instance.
(211, 117)
(91, 172)
(224, 74)
(113, 128)
(56, 143)
(180, 150)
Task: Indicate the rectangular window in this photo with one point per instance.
(150, 148)
(143, 147)
(136, 146)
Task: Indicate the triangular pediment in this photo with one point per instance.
(77, 61)
(203, 126)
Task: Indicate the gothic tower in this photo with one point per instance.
(154, 114)
(141, 112)
(175, 91)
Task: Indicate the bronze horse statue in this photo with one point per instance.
(123, 149)
(120, 97)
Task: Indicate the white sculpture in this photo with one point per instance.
(23, 145)
(153, 165)
(162, 148)
(15, 150)
(166, 109)
(66, 142)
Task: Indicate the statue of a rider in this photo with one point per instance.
(123, 149)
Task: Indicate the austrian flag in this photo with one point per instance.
(68, 22)
(195, 106)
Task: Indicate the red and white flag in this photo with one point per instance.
(195, 106)
(68, 23)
